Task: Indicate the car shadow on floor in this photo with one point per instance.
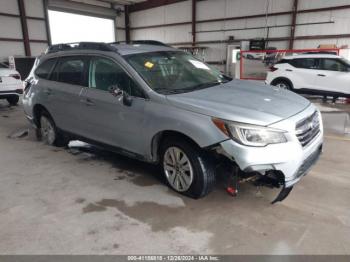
(146, 174)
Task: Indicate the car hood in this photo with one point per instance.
(242, 101)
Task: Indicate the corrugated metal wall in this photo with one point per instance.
(217, 9)
(336, 22)
(11, 29)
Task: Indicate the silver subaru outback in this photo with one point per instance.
(161, 105)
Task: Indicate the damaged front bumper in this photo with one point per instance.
(278, 165)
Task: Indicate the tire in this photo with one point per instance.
(195, 176)
(48, 132)
(13, 100)
(283, 84)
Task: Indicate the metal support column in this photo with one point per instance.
(22, 14)
(127, 23)
(194, 18)
(294, 19)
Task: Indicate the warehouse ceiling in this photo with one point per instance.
(124, 2)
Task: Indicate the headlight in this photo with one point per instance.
(251, 135)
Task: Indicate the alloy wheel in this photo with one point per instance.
(282, 85)
(48, 133)
(178, 169)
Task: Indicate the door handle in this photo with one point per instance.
(87, 102)
(321, 75)
(289, 70)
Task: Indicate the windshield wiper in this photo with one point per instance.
(205, 85)
(190, 89)
(167, 91)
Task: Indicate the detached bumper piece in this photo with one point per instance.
(275, 180)
(283, 194)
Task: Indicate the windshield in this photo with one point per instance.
(174, 72)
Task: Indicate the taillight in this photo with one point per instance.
(16, 76)
(273, 69)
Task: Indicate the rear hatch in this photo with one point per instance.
(9, 79)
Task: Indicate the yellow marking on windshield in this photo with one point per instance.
(149, 65)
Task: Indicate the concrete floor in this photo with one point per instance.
(87, 201)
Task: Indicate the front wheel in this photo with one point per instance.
(13, 100)
(187, 169)
(283, 84)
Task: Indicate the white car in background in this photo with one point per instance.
(11, 86)
(320, 74)
(254, 56)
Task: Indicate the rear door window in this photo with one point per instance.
(306, 63)
(71, 70)
(44, 70)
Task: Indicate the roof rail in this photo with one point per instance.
(142, 42)
(320, 52)
(80, 46)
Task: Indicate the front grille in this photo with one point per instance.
(308, 128)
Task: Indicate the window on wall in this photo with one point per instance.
(68, 28)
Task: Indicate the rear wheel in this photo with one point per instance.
(49, 133)
(186, 167)
(283, 84)
(13, 100)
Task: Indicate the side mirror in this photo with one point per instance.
(121, 95)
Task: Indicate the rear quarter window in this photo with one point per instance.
(44, 70)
